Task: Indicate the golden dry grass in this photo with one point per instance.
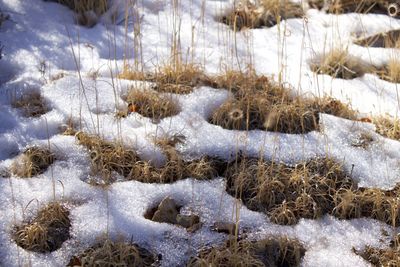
(383, 257)
(111, 158)
(391, 71)
(47, 231)
(31, 105)
(279, 251)
(388, 39)
(363, 6)
(338, 63)
(33, 161)
(307, 190)
(110, 253)
(387, 127)
(267, 14)
(152, 105)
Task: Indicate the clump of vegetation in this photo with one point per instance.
(110, 158)
(33, 161)
(31, 105)
(383, 257)
(110, 253)
(47, 231)
(349, 6)
(258, 103)
(265, 14)
(339, 63)
(307, 190)
(87, 11)
(152, 105)
(387, 127)
(273, 251)
(388, 39)
(390, 72)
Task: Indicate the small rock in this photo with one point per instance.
(167, 211)
(224, 227)
(187, 221)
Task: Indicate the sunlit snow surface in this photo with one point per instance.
(40, 31)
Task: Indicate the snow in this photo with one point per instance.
(45, 32)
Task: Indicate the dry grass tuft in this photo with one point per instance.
(390, 72)
(111, 158)
(267, 252)
(387, 127)
(258, 103)
(109, 253)
(307, 190)
(87, 11)
(171, 78)
(31, 104)
(364, 6)
(388, 39)
(32, 161)
(383, 257)
(47, 232)
(152, 105)
(340, 64)
(266, 14)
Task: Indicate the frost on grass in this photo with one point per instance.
(265, 14)
(110, 253)
(308, 190)
(388, 39)
(47, 231)
(338, 63)
(110, 159)
(272, 251)
(258, 103)
(33, 161)
(31, 105)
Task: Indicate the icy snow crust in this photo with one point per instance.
(46, 32)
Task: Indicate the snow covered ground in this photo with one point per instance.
(43, 32)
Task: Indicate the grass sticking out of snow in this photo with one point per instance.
(31, 104)
(350, 6)
(265, 14)
(47, 232)
(266, 252)
(388, 39)
(387, 127)
(338, 63)
(309, 190)
(33, 161)
(152, 105)
(391, 72)
(110, 253)
(111, 158)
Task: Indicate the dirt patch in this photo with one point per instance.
(265, 14)
(33, 161)
(267, 252)
(47, 231)
(31, 105)
(109, 253)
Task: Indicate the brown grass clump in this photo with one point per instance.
(364, 6)
(258, 103)
(31, 105)
(33, 161)
(109, 158)
(178, 78)
(340, 64)
(383, 257)
(87, 11)
(388, 39)
(109, 253)
(387, 127)
(267, 252)
(390, 72)
(267, 14)
(307, 190)
(152, 105)
(47, 232)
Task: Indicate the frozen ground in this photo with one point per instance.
(45, 32)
